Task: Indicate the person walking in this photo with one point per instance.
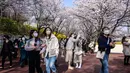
(23, 52)
(52, 50)
(105, 44)
(16, 47)
(33, 47)
(7, 50)
(126, 49)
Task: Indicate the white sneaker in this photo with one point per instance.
(1, 68)
(71, 68)
(76, 66)
(10, 66)
(79, 66)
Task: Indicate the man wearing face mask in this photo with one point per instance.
(33, 47)
(7, 50)
(105, 44)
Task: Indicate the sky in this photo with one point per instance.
(68, 3)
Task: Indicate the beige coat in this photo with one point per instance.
(78, 48)
(52, 46)
(70, 43)
(78, 52)
(126, 48)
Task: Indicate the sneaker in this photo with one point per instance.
(79, 67)
(10, 66)
(76, 66)
(71, 68)
(1, 67)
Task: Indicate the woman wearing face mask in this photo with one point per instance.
(69, 49)
(52, 50)
(33, 48)
(126, 49)
(23, 53)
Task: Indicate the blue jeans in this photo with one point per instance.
(50, 64)
(104, 63)
(23, 56)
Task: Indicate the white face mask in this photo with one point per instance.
(35, 34)
(73, 35)
(23, 38)
(7, 41)
(106, 32)
(48, 32)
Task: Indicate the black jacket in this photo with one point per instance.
(7, 47)
(102, 44)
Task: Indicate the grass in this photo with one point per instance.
(119, 43)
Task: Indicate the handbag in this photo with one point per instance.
(100, 54)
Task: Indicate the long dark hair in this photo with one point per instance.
(123, 39)
(70, 35)
(22, 39)
(75, 35)
(31, 35)
(6, 37)
(44, 32)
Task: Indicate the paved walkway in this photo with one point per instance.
(90, 65)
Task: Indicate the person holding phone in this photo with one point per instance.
(33, 47)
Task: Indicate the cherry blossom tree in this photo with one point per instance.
(94, 15)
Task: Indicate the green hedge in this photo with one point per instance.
(9, 26)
